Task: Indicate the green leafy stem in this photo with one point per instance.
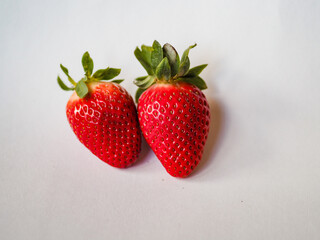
(81, 87)
(163, 65)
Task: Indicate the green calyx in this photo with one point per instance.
(163, 65)
(81, 87)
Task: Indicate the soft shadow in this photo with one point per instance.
(145, 149)
(214, 138)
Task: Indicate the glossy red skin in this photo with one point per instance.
(106, 122)
(175, 119)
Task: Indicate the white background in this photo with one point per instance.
(260, 174)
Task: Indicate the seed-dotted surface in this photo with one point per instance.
(106, 123)
(175, 119)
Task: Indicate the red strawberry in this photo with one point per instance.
(173, 113)
(103, 115)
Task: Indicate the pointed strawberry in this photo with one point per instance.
(103, 115)
(173, 112)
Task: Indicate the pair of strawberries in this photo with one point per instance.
(173, 114)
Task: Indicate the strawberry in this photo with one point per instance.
(173, 113)
(103, 115)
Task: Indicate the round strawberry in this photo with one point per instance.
(173, 112)
(103, 115)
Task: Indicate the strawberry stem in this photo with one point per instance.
(72, 81)
(100, 75)
(163, 65)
